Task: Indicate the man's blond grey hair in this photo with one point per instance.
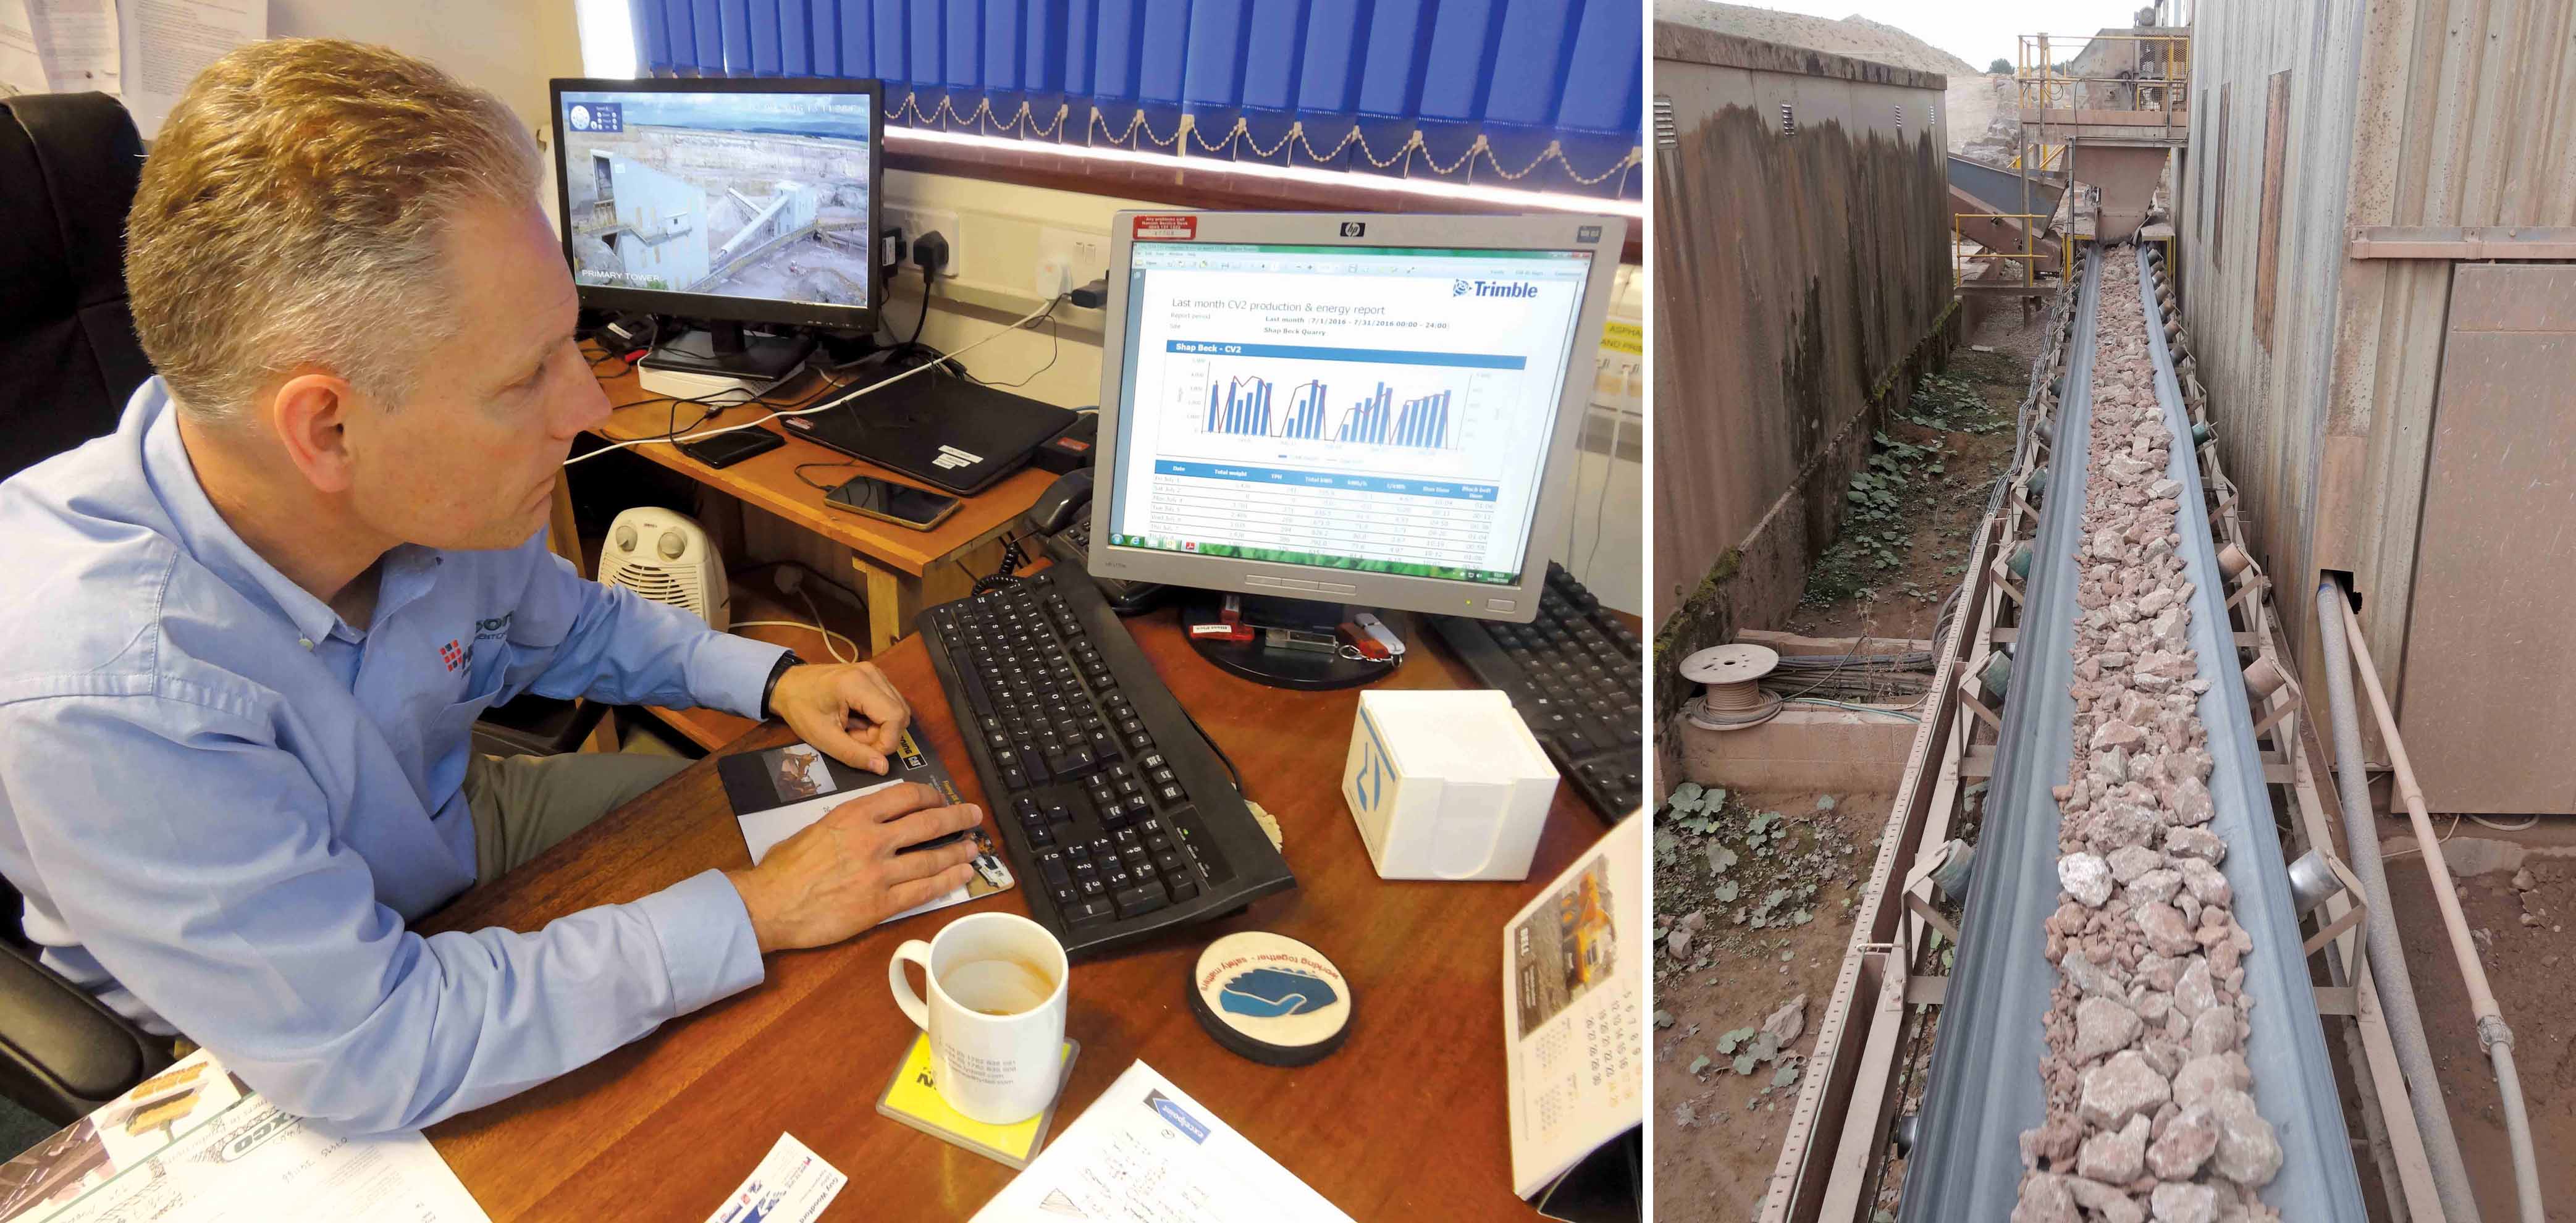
(292, 214)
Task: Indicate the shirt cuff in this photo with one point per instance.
(728, 673)
(708, 947)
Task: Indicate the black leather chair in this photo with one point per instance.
(70, 163)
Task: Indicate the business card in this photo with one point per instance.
(791, 1185)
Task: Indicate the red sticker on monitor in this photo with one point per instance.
(1170, 227)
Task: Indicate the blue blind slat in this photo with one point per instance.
(734, 19)
(1454, 72)
(1530, 52)
(767, 37)
(1005, 42)
(1212, 64)
(652, 35)
(1275, 39)
(1164, 65)
(1081, 45)
(706, 33)
(1119, 38)
(1556, 88)
(1045, 46)
(1398, 37)
(823, 37)
(1334, 56)
(1604, 59)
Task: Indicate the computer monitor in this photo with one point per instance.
(1371, 410)
(724, 201)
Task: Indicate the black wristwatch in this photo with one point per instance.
(770, 686)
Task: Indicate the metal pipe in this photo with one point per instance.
(2492, 1031)
(2387, 952)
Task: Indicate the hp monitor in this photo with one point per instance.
(1368, 410)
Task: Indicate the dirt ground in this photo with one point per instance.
(1718, 1131)
(2529, 967)
(1852, 591)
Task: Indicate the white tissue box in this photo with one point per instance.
(1447, 785)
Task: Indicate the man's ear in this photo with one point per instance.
(310, 415)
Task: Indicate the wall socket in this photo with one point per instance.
(919, 221)
(1069, 259)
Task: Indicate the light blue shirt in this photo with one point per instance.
(223, 803)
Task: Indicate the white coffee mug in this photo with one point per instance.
(995, 1014)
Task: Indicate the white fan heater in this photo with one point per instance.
(666, 557)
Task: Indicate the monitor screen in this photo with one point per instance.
(1374, 409)
(748, 195)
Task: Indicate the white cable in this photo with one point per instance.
(1601, 504)
(817, 614)
(828, 635)
(835, 402)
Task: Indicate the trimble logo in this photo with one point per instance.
(1491, 288)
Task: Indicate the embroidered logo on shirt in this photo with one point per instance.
(453, 654)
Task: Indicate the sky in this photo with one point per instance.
(1978, 31)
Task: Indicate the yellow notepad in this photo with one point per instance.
(913, 1099)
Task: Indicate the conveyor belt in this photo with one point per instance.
(1984, 1088)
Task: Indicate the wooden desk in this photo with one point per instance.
(1406, 1121)
(900, 570)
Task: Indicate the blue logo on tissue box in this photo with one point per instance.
(1374, 771)
(596, 117)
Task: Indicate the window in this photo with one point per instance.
(1541, 95)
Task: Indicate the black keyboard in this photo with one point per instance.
(1120, 819)
(1574, 673)
(1072, 545)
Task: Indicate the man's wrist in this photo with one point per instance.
(769, 687)
(746, 884)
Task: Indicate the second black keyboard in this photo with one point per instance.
(1120, 820)
(1574, 674)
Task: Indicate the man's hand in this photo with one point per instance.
(848, 709)
(841, 875)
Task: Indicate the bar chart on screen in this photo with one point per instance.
(1343, 401)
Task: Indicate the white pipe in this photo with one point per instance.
(2492, 1031)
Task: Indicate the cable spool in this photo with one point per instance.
(1731, 696)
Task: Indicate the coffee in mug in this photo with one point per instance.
(1000, 986)
(994, 1014)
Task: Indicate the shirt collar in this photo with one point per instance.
(212, 541)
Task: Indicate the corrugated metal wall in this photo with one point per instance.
(2400, 112)
(1793, 275)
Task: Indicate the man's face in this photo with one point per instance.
(469, 460)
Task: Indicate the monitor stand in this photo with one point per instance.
(723, 354)
(1258, 661)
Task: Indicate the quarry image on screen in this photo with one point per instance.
(1372, 409)
(736, 194)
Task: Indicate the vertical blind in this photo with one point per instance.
(1537, 94)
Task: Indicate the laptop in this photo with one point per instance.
(954, 435)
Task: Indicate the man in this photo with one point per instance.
(249, 631)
